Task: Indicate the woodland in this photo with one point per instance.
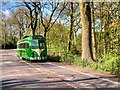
(85, 34)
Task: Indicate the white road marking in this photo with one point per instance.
(109, 80)
(5, 76)
(38, 69)
(8, 62)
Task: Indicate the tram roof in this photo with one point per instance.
(30, 38)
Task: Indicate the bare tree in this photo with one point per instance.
(32, 7)
(54, 13)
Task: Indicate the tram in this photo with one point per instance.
(32, 48)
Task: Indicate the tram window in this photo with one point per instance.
(42, 45)
(34, 44)
(23, 45)
(26, 45)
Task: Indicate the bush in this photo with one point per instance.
(53, 58)
(68, 58)
(110, 63)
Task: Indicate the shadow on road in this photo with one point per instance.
(13, 83)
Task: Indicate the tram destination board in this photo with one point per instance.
(37, 37)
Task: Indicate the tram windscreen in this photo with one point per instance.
(34, 44)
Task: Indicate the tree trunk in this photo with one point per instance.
(74, 38)
(39, 26)
(20, 34)
(86, 30)
(105, 35)
(33, 32)
(5, 37)
(33, 17)
(71, 26)
(104, 41)
(99, 41)
(93, 31)
(45, 33)
(100, 32)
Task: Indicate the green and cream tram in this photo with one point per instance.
(32, 48)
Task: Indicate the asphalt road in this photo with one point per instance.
(18, 73)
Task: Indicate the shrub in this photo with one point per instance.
(109, 63)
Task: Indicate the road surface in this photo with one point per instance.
(18, 73)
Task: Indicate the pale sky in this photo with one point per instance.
(7, 13)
